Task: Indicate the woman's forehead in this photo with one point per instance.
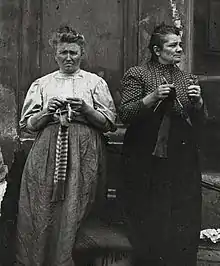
(170, 38)
(68, 46)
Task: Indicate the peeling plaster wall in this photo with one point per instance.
(8, 113)
(153, 13)
(9, 30)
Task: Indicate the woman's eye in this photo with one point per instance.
(63, 52)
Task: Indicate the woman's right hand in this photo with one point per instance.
(162, 91)
(157, 95)
(55, 103)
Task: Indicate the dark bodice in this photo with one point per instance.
(143, 123)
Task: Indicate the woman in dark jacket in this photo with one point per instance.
(164, 109)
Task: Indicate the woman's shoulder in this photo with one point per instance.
(188, 75)
(46, 78)
(137, 72)
(91, 77)
(89, 74)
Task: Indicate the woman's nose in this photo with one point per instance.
(68, 56)
(179, 48)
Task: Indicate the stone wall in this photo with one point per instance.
(153, 13)
(9, 53)
(23, 55)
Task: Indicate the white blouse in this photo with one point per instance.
(82, 84)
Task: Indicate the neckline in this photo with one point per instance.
(164, 66)
(76, 74)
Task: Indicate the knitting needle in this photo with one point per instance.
(158, 104)
(176, 96)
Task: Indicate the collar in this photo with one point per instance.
(163, 66)
(76, 75)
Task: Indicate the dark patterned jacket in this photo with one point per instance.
(143, 123)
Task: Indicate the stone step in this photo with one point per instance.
(206, 257)
(209, 255)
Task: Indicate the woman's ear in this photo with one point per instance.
(82, 56)
(83, 53)
(156, 50)
(55, 55)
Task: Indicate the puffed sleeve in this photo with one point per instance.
(132, 94)
(32, 104)
(103, 102)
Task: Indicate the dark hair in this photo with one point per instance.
(66, 34)
(158, 37)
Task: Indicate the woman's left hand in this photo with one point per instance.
(77, 104)
(194, 93)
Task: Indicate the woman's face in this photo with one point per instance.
(68, 57)
(171, 51)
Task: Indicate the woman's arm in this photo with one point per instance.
(97, 119)
(38, 121)
(35, 115)
(32, 106)
(131, 95)
(102, 114)
(134, 104)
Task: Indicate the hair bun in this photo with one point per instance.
(66, 33)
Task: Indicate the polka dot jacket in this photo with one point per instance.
(140, 81)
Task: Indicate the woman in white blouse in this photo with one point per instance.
(70, 109)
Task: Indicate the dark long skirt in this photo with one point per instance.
(46, 231)
(163, 203)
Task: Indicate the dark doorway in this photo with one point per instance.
(206, 64)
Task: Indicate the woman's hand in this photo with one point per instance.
(93, 116)
(194, 93)
(78, 105)
(55, 103)
(163, 91)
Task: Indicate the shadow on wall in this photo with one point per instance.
(210, 152)
(3, 168)
(3, 173)
(8, 110)
(8, 124)
(9, 210)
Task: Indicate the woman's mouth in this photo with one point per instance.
(68, 65)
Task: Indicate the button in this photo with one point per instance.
(183, 142)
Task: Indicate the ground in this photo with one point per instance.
(208, 255)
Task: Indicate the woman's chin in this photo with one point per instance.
(69, 70)
(177, 60)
